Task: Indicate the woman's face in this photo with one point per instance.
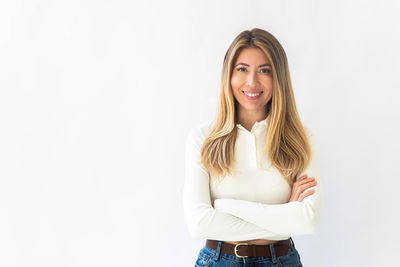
(251, 79)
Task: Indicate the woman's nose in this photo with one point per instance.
(251, 79)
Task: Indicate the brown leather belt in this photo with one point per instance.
(244, 250)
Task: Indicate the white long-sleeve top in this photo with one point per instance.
(253, 202)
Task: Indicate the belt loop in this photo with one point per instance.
(292, 242)
(273, 255)
(216, 257)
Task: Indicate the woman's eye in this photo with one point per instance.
(241, 69)
(265, 70)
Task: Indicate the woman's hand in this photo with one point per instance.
(300, 186)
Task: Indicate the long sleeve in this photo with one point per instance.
(202, 219)
(292, 218)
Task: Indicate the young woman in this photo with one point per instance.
(251, 175)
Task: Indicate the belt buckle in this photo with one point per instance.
(236, 250)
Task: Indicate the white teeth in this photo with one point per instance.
(249, 94)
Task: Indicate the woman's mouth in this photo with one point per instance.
(252, 95)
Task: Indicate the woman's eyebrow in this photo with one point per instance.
(264, 65)
(247, 65)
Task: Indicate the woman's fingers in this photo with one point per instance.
(308, 184)
(302, 184)
(302, 177)
(307, 180)
(306, 194)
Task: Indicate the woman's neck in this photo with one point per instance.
(247, 118)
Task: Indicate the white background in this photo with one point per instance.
(97, 97)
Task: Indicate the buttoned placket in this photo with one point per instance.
(251, 140)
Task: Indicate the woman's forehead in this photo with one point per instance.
(252, 56)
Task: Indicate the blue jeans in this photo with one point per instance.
(213, 258)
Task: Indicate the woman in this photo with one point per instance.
(251, 176)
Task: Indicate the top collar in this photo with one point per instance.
(256, 125)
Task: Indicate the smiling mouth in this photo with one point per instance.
(253, 94)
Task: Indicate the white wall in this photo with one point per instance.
(97, 97)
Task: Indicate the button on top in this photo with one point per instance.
(246, 142)
(251, 139)
(256, 125)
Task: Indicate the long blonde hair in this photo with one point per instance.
(286, 142)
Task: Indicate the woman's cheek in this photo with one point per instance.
(235, 82)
